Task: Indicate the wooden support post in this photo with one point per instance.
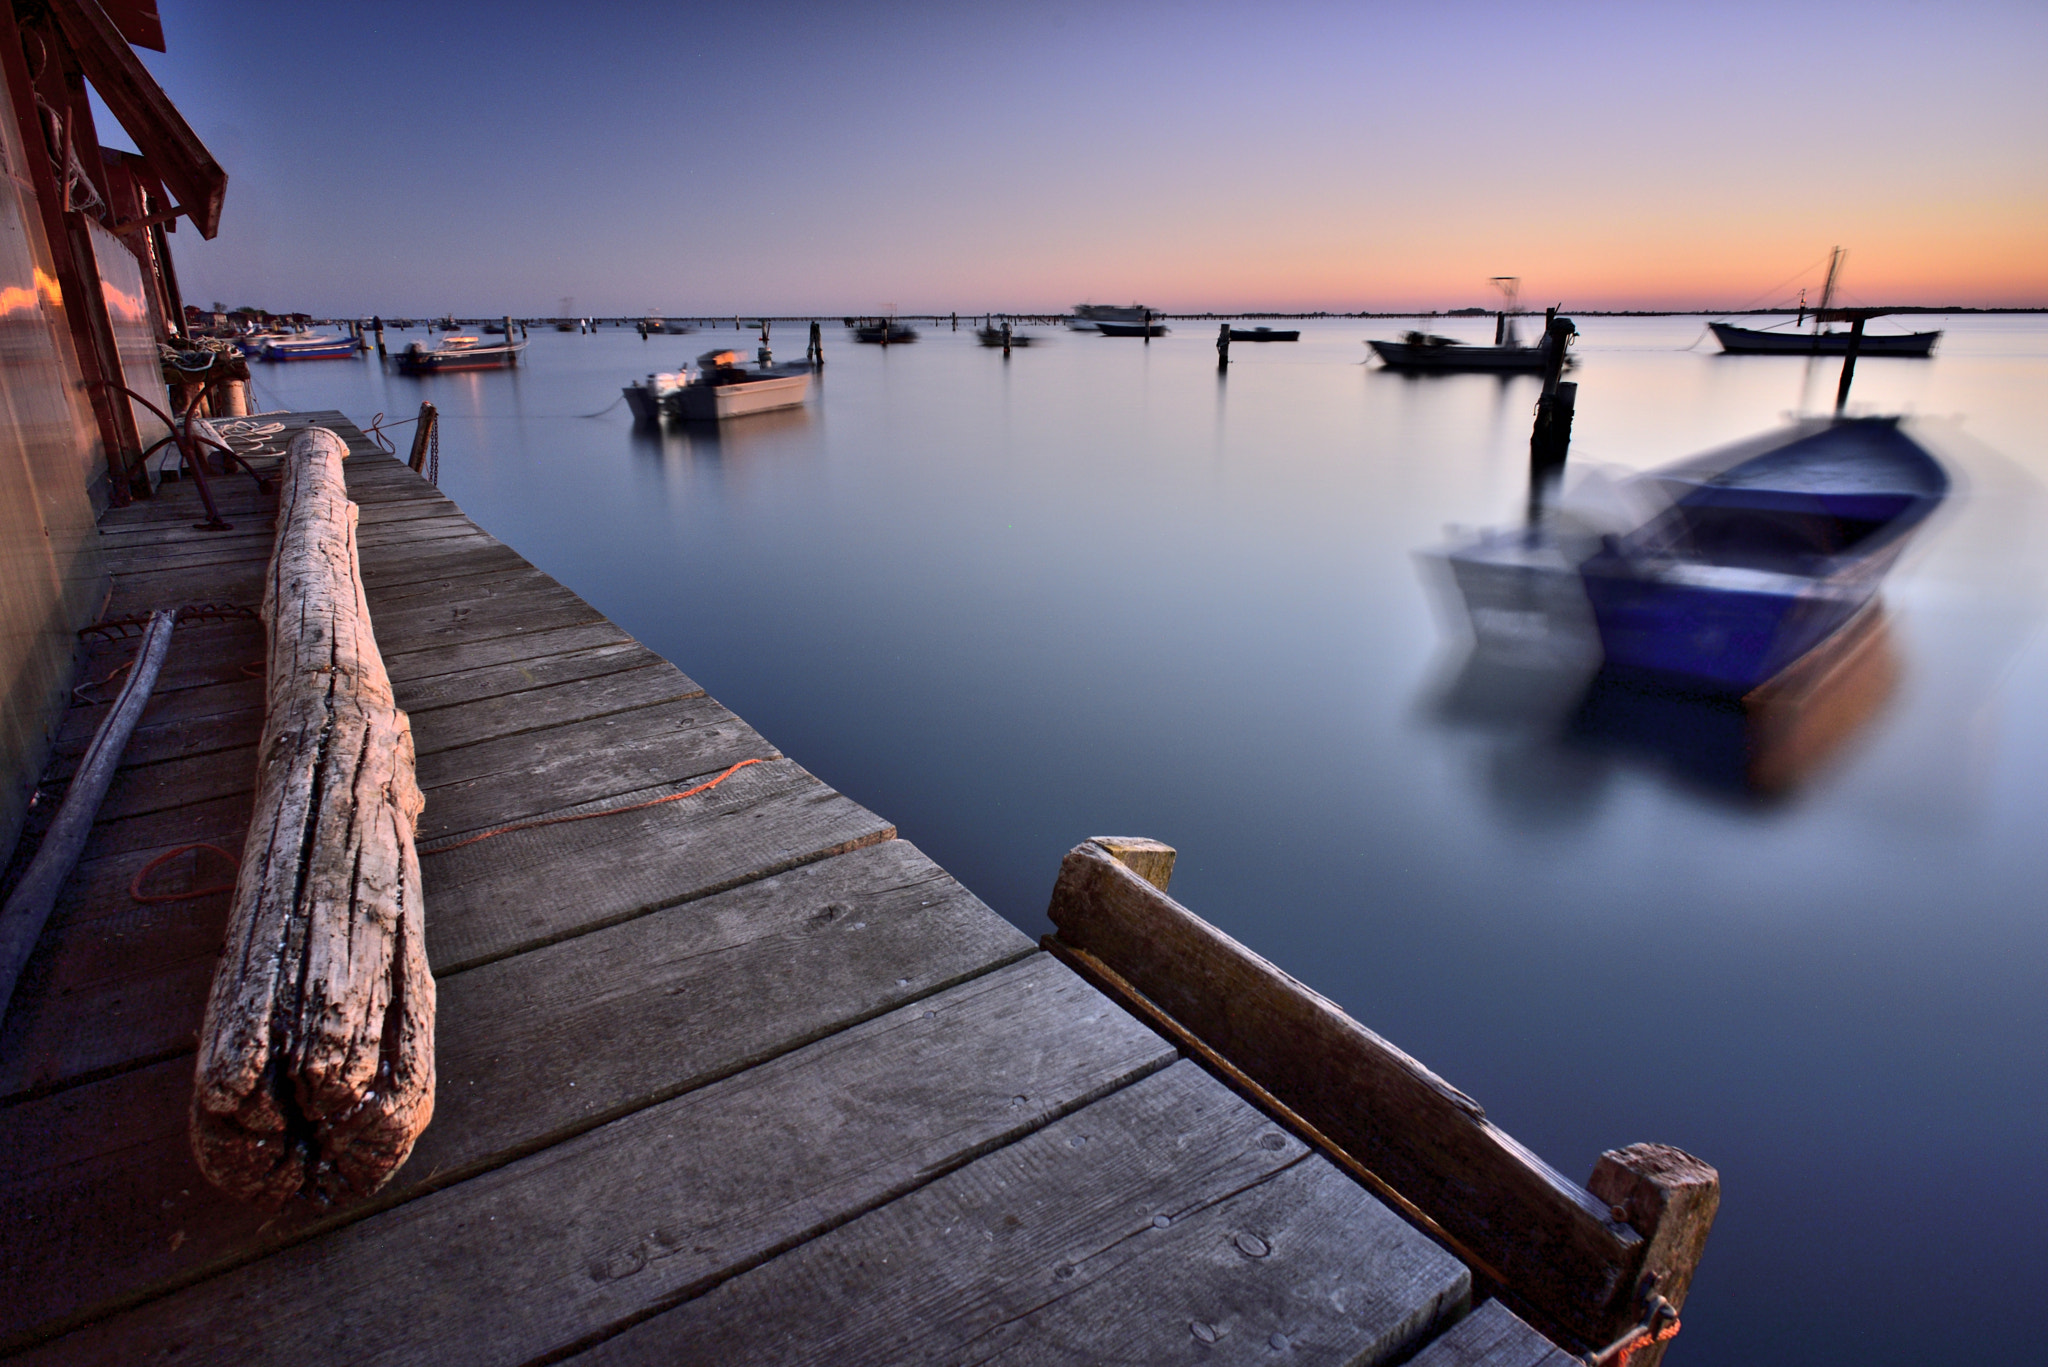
(1849, 365)
(316, 1057)
(1550, 439)
(378, 323)
(1669, 1197)
(1574, 1259)
(1006, 339)
(28, 907)
(1223, 347)
(423, 434)
(1147, 329)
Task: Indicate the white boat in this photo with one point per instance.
(721, 388)
(1091, 317)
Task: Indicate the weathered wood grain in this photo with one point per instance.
(632, 1015)
(1493, 1336)
(315, 1068)
(1670, 1198)
(409, 663)
(1549, 1239)
(612, 694)
(765, 819)
(543, 1253)
(224, 708)
(1168, 1222)
(419, 696)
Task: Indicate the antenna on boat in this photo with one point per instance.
(1510, 287)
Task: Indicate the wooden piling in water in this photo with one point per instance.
(1849, 364)
(1223, 347)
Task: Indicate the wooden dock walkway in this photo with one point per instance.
(739, 1078)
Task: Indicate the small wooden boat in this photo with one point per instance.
(720, 389)
(1265, 335)
(1131, 329)
(311, 349)
(887, 332)
(993, 337)
(1746, 560)
(458, 352)
(1738, 341)
(1422, 351)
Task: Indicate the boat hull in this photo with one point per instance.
(1496, 359)
(473, 358)
(1265, 335)
(1739, 341)
(716, 402)
(341, 349)
(1131, 330)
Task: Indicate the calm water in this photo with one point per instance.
(1099, 590)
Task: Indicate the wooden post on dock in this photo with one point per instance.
(378, 322)
(425, 435)
(1849, 365)
(1006, 339)
(1223, 347)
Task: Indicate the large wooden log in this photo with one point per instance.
(316, 1059)
(1574, 1258)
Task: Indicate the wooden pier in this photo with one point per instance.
(737, 1078)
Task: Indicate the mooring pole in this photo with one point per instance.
(1552, 435)
(1006, 339)
(1223, 347)
(1849, 365)
(1147, 329)
(815, 352)
(378, 323)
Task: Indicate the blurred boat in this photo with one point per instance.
(994, 337)
(1424, 351)
(311, 348)
(1737, 341)
(1732, 568)
(886, 331)
(1140, 329)
(1091, 317)
(1265, 335)
(458, 352)
(720, 389)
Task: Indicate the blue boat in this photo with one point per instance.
(1752, 557)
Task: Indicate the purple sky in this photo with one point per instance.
(784, 158)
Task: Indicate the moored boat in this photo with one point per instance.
(721, 388)
(886, 331)
(1734, 567)
(1426, 351)
(1091, 317)
(311, 348)
(1265, 334)
(1741, 341)
(995, 337)
(1147, 328)
(458, 351)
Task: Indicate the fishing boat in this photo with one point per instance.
(1741, 341)
(1265, 334)
(721, 388)
(886, 331)
(458, 351)
(1722, 572)
(310, 348)
(1424, 351)
(994, 337)
(1147, 328)
(1091, 317)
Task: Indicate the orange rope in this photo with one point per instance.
(1644, 1340)
(585, 816)
(150, 899)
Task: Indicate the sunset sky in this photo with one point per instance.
(787, 158)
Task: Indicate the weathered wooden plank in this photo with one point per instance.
(418, 696)
(765, 819)
(387, 579)
(466, 585)
(413, 663)
(1167, 1222)
(1549, 1239)
(542, 1253)
(1493, 1336)
(633, 1014)
(538, 608)
(535, 772)
(175, 783)
(213, 819)
(240, 582)
(206, 653)
(604, 695)
(192, 712)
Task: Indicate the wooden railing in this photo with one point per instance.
(1586, 1263)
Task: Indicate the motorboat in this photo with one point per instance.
(886, 331)
(1147, 328)
(1265, 334)
(995, 337)
(1091, 317)
(1718, 574)
(721, 388)
(458, 351)
(311, 348)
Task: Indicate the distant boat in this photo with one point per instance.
(1091, 317)
(1746, 561)
(884, 331)
(311, 349)
(1738, 341)
(458, 352)
(721, 389)
(1265, 335)
(994, 337)
(1141, 329)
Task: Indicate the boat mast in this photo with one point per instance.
(1827, 291)
(1510, 287)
